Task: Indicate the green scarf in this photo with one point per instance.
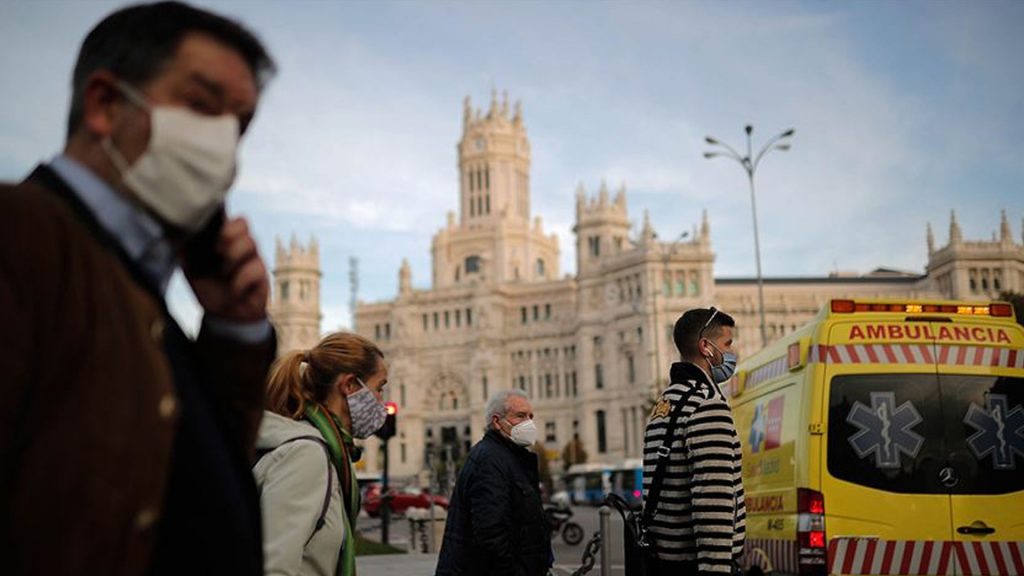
(339, 442)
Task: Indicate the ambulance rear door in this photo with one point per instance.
(981, 379)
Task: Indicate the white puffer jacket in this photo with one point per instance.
(292, 477)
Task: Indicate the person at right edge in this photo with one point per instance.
(699, 521)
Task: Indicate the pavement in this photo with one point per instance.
(396, 565)
(567, 558)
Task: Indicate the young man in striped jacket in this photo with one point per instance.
(699, 518)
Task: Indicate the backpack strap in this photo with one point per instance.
(322, 519)
(658, 476)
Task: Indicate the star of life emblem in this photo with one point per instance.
(1000, 431)
(885, 430)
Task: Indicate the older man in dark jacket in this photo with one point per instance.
(496, 523)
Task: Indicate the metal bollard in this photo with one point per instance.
(606, 540)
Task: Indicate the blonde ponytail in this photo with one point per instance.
(303, 377)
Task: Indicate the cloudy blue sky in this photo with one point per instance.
(903, 111)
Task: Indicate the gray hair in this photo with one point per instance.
(497, 404)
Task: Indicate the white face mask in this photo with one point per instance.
(367, 413)
(188, 166)
(524, 434)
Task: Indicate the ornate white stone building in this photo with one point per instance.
(590, 349)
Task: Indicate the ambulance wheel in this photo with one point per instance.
(572, 533)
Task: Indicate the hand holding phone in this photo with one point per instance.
(227, 274)
(201, 256)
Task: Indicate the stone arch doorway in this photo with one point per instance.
(447, 427)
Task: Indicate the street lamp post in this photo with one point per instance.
(778, 142)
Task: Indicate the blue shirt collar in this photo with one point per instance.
(138, 233)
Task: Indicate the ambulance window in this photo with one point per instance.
(885, 431)
(985, 432)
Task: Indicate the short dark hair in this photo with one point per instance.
(690, 326)
(135, 43)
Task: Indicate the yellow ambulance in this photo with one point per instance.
(886, 437)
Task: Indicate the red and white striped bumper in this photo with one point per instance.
(925, 557)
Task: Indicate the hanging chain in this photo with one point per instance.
(589, 555)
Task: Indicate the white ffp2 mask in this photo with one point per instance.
(188, 166)
(524, 433)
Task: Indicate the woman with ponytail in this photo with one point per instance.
(318, 400)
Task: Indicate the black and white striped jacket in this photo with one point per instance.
(700, 515)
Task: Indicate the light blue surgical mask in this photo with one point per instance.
(724, 371)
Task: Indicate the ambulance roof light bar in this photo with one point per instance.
(996, 309)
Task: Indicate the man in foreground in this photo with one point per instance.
(125, 444)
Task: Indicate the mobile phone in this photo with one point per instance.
(201, 256)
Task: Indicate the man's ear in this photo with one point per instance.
(101, 105)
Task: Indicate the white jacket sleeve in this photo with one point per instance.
(294, 484)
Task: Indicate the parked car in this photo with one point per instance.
(401, 500)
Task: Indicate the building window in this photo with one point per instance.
(426, 323)
(548, 393)
(547, 311)
(376, 331)
(484, 386)
(630, 369)
(602, 440)
(458, 318)
(472, 264)
(694, 284)
(536, 312)
(487, 204)
(540, 268)
(598, 376)
(401, 394)
(387, 331)
(680, 283)
(550, 435)
(575, 392)
(666, 286)
(469, 316)
(522, 311)
(284, 290)
(401, 452)
(447, 323)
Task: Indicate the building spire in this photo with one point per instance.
(931, 239)
(518, 119)
(955, 236)
(493, 111)
(467, 112)
(602, 195)
(1005, 235)
(705, 227)
(647, 235)
(405, 277)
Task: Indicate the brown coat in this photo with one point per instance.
(88, 406)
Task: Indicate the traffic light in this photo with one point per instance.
(388, 429)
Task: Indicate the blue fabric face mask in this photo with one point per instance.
(724, 371)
